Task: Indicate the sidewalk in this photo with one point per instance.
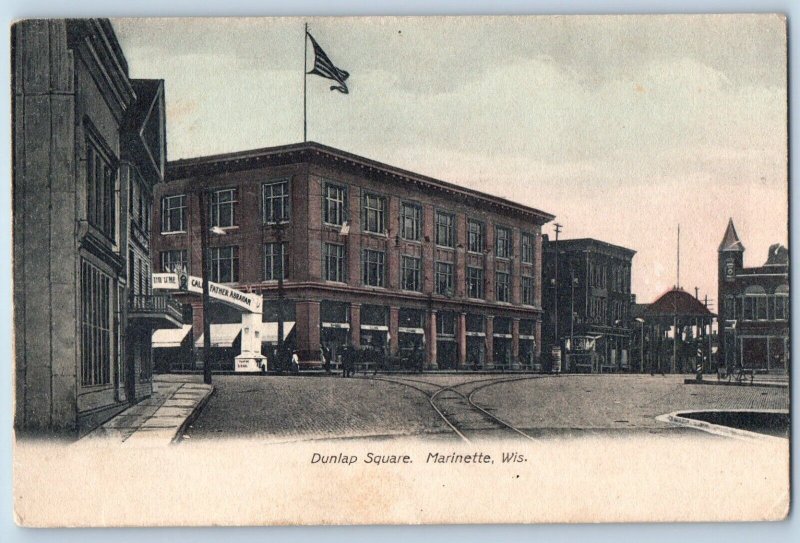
(161, 418)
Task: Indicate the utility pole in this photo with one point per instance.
(555, 294)
(203, 198)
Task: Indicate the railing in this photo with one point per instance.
(155, 303)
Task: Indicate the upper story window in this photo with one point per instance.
(411, 273)
(173, 213)
(276, 201)
(503, 286)
(100, 190)
(225, 264)
(476, 236)
(782, 303)
(503, 242)
(174, 261)
(334, 262)
(410, 221)
(374, 214)
(444, 278)
(374, 268)
(527, 248)
(527, 291)
(274, 261)
(335, 205)
(474, 282)
(223, 208)
(445, 229)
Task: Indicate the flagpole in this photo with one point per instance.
(305, 78)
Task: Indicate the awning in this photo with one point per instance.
(170, 337)
(269, 331)
(222, 335)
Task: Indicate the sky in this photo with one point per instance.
(623, 127)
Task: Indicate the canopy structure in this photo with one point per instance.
(269, 331)
(222, 335)
(170, 337)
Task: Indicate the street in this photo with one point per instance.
(291, 408)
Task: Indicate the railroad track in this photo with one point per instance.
(459, 411)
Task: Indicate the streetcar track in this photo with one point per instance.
(450, 418)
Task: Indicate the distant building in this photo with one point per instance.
(592, 322)
(371, 256)
(89, 146)
(753, 307)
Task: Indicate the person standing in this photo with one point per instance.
(295, 362)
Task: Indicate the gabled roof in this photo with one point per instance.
(677, 302)
(731, 241)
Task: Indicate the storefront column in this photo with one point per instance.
(307, 327)
(197, 331)
(394, 334)
(355, 325)
(462, 340)
(515, 343)
(489, 342)
(430, 340)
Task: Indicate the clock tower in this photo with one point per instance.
(730, 261)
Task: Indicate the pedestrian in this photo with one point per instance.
(295, 362)
(326, 359)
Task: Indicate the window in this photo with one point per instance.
(761, 308)
(474, 282)
(334, 262)
(502, 283)
(445, 324)
(527, 291)
(275, 261)
(223, 203)
(476, 236)
(174, 261)
(276, 201)
(100, 191)
(781, 303)
(527, 249)
(374, 214)
(173, 213)
(410, 275)
(96, 325)
(225, 264)
(444, 278)
(445, 229)
(373, 268)
(335, 207)
(503, 242)
(410, 221)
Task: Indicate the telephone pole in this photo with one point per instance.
(558, 228)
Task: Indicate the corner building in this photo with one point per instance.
(372, 256)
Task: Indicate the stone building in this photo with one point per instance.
(753, 307)
(587, 304)
(371, 255)
(88, 147)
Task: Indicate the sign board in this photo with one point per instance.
(556, 358)
(172, 281)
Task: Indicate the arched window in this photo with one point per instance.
(782, 303)
(754, 304)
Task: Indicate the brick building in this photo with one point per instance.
(592, 323)
(753, 307)
(372, 256)
(88, 145)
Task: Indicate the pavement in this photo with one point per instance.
(278, 409)
(159, 419)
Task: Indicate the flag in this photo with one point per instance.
(323, 67)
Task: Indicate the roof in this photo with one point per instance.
(677, 302)
(638, 310)
(731, 241)
(308, 151)
(589, 244)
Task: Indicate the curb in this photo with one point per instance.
(734, 384)
(717, 429)
(178, 437)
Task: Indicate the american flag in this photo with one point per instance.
(323, 67)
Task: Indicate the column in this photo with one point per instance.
(307, 328)
(430, 340)
(515, 343)
(462, 340)
(489, 342)
(355, 325)
(197, 322)
(394, 324)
